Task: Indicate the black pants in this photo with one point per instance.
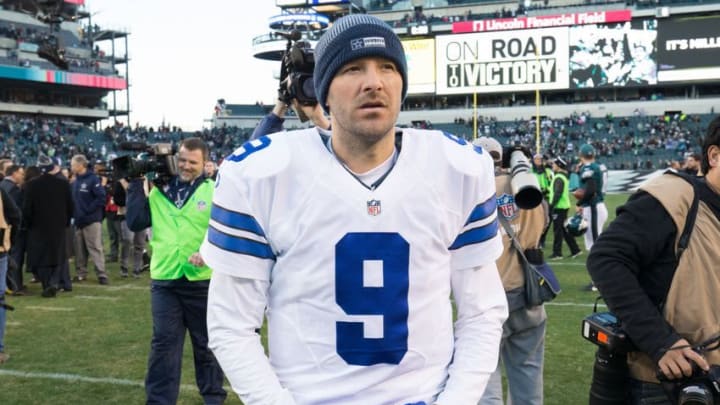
(180, 306)
(49, 276)
(17, 256)
(559, 233)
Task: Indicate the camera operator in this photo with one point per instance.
(273, 122)
(295, 90)
(665, 305)
(523, 341)
(179, 212)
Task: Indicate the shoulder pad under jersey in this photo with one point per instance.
(265, 156)
(462, 155)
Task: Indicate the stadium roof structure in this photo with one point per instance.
(108, 35)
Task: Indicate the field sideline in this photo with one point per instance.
(90, 346)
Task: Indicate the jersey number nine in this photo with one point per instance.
(355, 255)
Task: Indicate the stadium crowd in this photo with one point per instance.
(641, 142)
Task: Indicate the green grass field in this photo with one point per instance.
(90, 346)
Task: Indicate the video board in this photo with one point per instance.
(420, 55)
(613, 55)
(689, 49)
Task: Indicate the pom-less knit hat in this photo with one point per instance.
(352, 37)
(45, 163)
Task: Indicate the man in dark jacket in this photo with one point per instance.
(11, 183)
(89, 200)
(9, 220)
(46, 223)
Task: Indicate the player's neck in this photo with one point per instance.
(361, 157)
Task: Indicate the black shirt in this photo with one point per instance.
(633, 263)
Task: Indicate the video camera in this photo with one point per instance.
(158, 159)
(524, 184)
(296, 71)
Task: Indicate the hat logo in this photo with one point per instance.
(367, 42)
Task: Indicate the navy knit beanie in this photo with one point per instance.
(352, 37)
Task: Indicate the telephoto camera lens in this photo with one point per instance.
(610, 382)
(695, 395)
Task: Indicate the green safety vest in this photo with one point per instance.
(177, 233)
(564, 201)
(544, 179)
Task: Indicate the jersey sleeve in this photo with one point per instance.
(478, 242)
(236, 243)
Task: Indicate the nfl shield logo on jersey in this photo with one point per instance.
(506, 206)
(373, 207)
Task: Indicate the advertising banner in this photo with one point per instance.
(502, 61)
(541, 21)
(420, 54)
(616, 55)
(689, 49)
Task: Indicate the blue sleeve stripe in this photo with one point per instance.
(476, 235)
(240, 245)
(483, 210)
(236, 220)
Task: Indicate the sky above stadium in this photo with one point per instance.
(187, 54)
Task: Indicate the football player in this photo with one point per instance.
(590, 196)
(351, 244)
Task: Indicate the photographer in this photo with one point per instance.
(664, 296)
(178, 212)
(523, 341)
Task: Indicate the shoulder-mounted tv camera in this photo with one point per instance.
(296, 71)
(158, 159)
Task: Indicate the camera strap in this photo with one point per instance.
(691, 215)
(508, 229)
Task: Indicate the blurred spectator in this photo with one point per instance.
(11, 184)
(46, 223)
(692, 164)
(9, 220)
(211, 170)
(89, 201)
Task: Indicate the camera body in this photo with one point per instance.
(604, 329)
(158, 158)
(524, 184)
(610, 381)
(702, 387)
(296, 71)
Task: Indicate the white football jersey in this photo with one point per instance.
(359, 307)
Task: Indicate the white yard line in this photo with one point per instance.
(56, 309)
(112, 288)
(93, 297)
(80, 378)
(574, 304)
